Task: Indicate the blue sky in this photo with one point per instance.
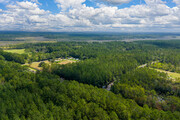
(52, 6)
(90, 15)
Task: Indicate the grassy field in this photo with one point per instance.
(171, 74)
(66, 61)
(35, 65)
(19, 51)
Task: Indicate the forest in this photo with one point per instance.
(78, 90)
(83, 36)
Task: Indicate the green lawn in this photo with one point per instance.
(19, 51)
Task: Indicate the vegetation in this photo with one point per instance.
(166, 67)
(147, 86)
(72, 89)
(19, 51)
(25, 95)
(175, 76)
(13, 57)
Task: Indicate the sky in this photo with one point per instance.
(90, 15)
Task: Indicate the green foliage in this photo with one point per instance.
(42, 64)
(97, 72)
(1, 57)
(139, 93)
(140, 84)
(13, 57)
(165, 66)
(44, 96)
(127, 91)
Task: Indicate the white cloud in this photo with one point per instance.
(36, 1)
(177, 2)
(37, 19)
(23, 16)
(65, 4)
(115, 2)
(27, 5)
(155, 15)
(154, 2)
(38, 11)
(1, 10)
(4, 1)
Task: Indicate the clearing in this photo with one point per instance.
(19, 51)
(65, 61)
(35, 65)
(171, 74)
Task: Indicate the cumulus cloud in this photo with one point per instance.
(22, 16)
(4, 1)
(139, 15)
(65, 4)
(1, 10)
(154, 2)
(114, 2)
(155, 15)
(177, 2)
(36, 1)
(37, 19)
(27, 5)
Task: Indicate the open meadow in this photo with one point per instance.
(171, 74)
(36, 65)
(19, 51)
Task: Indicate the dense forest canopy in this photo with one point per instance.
(76, 90)
(26, 95)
